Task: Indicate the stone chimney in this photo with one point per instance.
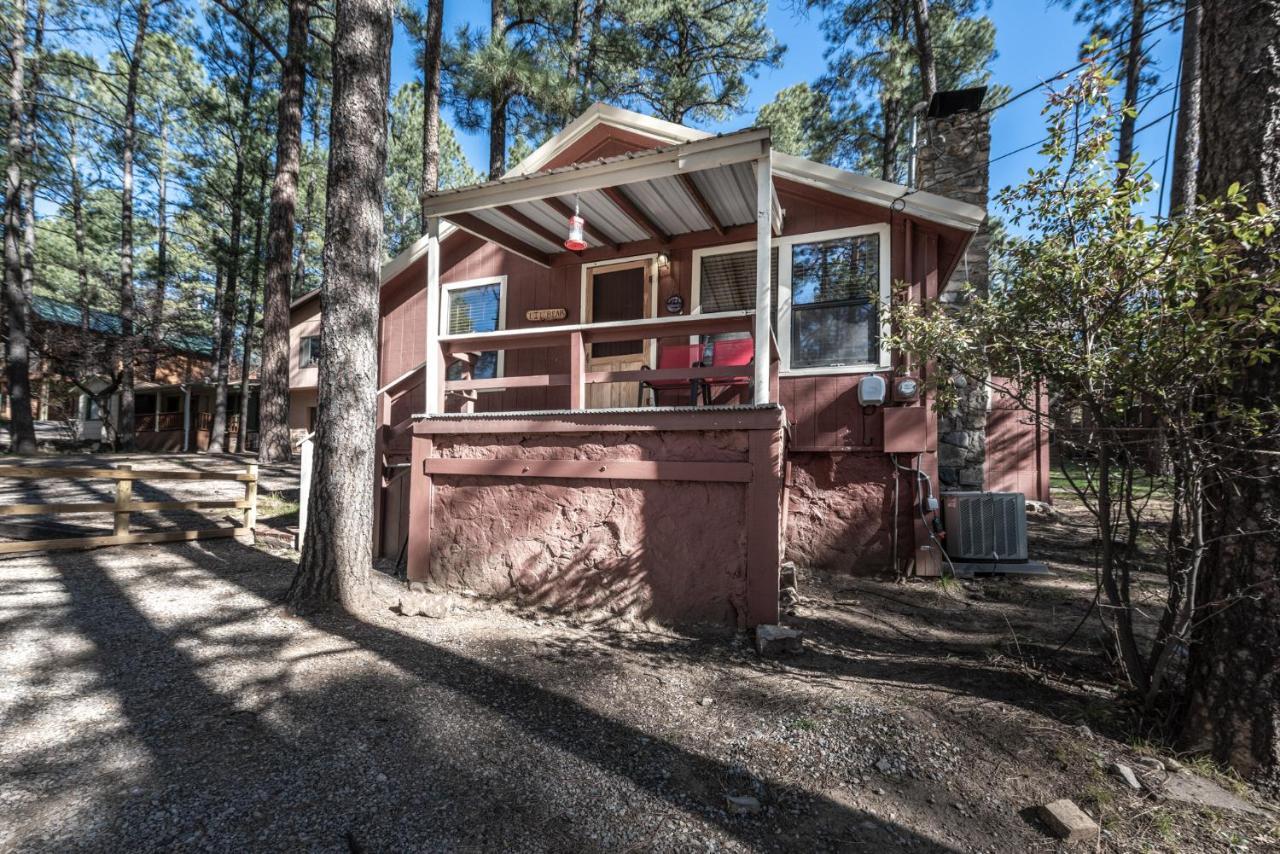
(953, 161)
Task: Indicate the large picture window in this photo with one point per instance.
(827, 291)
(472, 308)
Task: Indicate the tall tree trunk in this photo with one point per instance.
(247, 357)
(22, 434)
(1132, 78)
(924, 48)
(230, 302)
(31, 153)
(1233, 684)
(338, 553)
(128, 343)
(273, 392)
(1186, 146)
(299, 286)
(497, 99)
(162, 248)
(431, 103)
(573, 74)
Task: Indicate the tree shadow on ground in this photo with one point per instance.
(506, 764)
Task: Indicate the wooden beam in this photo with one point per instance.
(633, 213)
(577, 371)
(616, 330)
(593, 469)
(21, 546)
(537, 228)
(70, 473)
(763, 331)
(480, 228)
(592, 231)
(701, 201)
(647, 419)
(110, 507)
(433, 357)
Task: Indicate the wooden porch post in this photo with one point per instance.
(764, 288)
(421, 496)
(432, 386)
(577, 368)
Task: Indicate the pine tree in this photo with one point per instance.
(1233, 695)
(337, 556)
(877, 65)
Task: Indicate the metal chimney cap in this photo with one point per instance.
(952, 102)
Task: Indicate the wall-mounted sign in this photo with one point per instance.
(535, 315)
(675, 304)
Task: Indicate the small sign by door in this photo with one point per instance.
(535, 315)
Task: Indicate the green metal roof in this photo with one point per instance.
(57, 311)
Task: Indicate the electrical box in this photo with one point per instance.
(871, 390)
(906, 430)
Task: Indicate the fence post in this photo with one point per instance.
(124, 495)
(251, 502)
(304, 487)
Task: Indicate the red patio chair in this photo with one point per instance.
(673, 356)
(735, 352)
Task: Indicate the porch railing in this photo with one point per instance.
(577, 338)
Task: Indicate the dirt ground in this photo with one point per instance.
(159, 698)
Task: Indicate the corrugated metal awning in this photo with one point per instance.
(704, 185)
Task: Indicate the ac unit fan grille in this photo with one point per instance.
(987, 526)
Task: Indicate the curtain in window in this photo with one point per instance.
(475, 309)
(835, 292)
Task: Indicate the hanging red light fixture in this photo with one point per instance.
(575, 241)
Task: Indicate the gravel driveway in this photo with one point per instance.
(157, 698)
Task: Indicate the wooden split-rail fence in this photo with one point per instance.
(124, 506)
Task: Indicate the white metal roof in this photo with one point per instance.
(686, 187)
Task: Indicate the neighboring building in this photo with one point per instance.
(523, 455)
(173, 399)
(304, 359)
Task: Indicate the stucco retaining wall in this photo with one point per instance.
(841, 513)
(666, 550)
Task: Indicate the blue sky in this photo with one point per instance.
(1035, 40)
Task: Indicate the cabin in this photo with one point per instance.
(645, 367)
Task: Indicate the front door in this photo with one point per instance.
(617, 292)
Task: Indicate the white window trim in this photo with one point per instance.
(783, 330)
(501, 282)
(302, 351)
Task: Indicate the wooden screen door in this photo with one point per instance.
(617, 292)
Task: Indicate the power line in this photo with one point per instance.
(1061, 74)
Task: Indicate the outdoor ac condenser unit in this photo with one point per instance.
(985, 526)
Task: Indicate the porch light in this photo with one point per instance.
(575, 242)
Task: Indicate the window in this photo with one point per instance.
(835, 289)
(827, 292)
(727, 282)
(310, 355)
(475, 307)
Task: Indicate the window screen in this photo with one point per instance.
(835, 288)
(475, 309)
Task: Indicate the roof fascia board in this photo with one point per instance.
(598, 114)
(928, 206)
(687, 157)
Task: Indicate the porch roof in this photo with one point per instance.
(704, 185)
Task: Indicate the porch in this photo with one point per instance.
(172, 419)
(670, 510)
